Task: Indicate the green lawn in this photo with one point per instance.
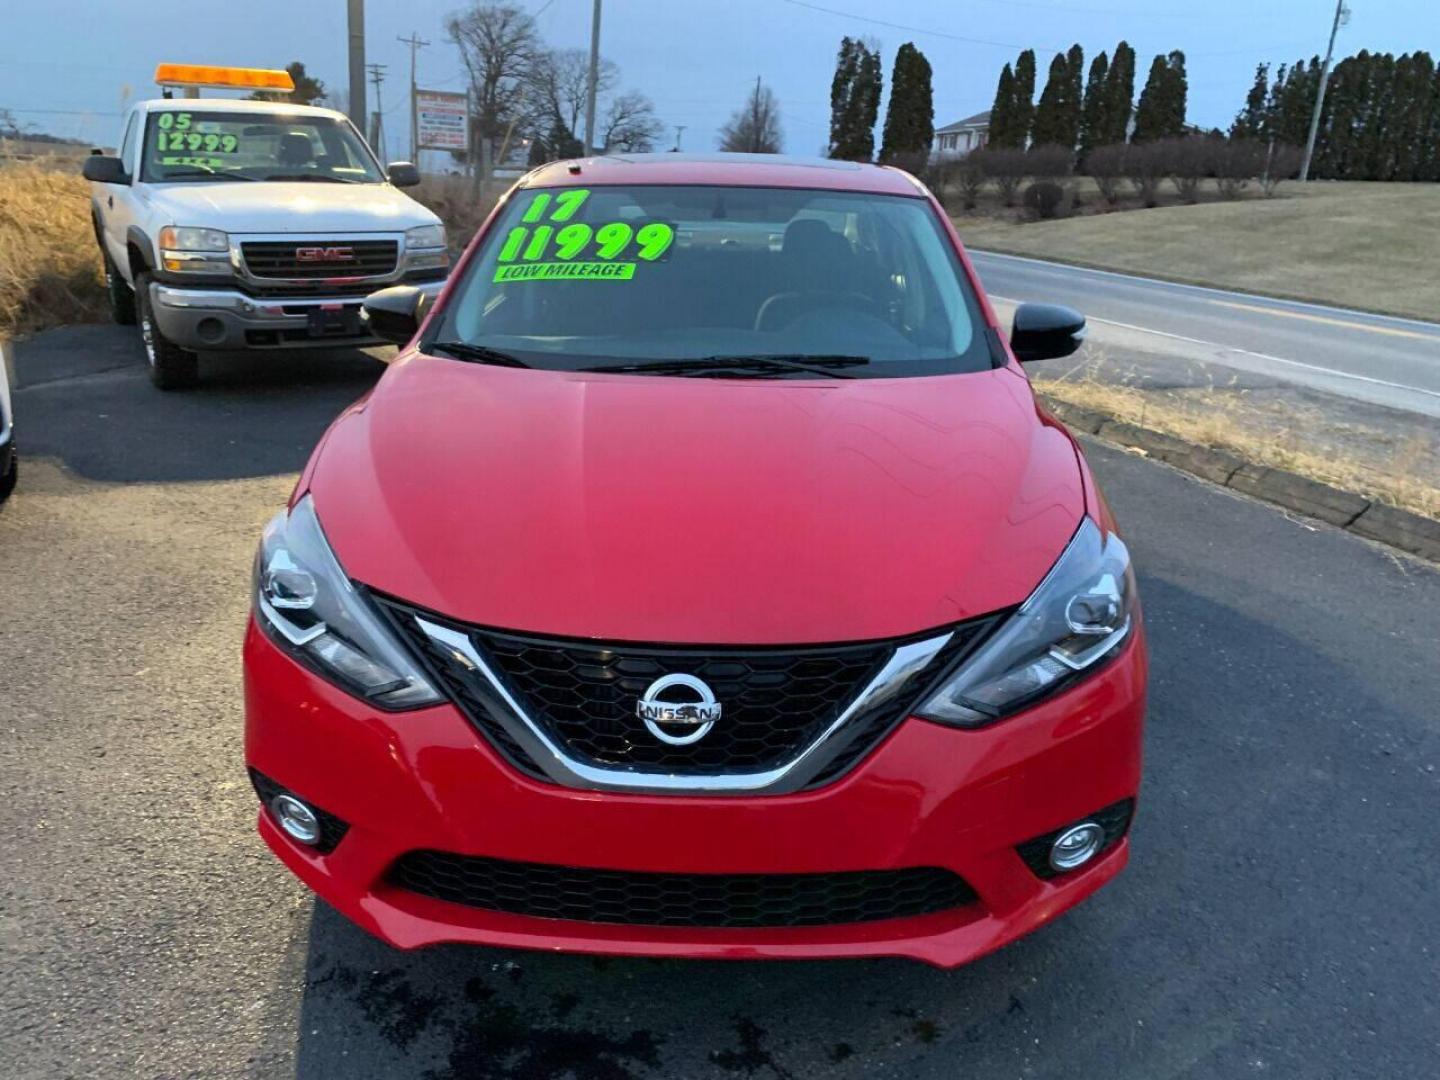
(1362, 245)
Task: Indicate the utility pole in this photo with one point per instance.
(594, 80)
(1342, 15)
(377, 118)
(755, 118)
(415, 45)
(356, 19)
(679, 131)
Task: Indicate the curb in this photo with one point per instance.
(1346, 510)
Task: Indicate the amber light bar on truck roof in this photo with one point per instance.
(235, 78)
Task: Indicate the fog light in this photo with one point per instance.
(297, 819)
(1076, 846)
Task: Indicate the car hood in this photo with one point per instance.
(280, 207)
(693, 510)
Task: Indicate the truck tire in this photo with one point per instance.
(11, 475)
(120, 295)
(171, 367)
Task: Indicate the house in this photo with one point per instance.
(959, 138)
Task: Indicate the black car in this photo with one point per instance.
(7, 429)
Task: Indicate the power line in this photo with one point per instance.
(916, 29)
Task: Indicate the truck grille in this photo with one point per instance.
(701, 900)
(311, 260)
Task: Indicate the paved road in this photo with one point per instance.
(1279, 918)
(1374, 358)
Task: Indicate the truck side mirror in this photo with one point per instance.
(1045, 332)
(395, 314)
(402, 174)
(104, 169)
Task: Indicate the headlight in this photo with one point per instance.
(185, 250)
(1078, 615)
(425, 236)
(304, 597)
(181, 238)
(425, 248)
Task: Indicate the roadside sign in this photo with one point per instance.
(440, 120)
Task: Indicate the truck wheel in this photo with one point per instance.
(7, 481)
(120, 295)
(171, 367)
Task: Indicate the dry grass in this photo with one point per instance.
(1402, 471)
(50, 270)
(454, 200)
(1361, 245)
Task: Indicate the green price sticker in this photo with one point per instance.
(548, 241)
(196, 142)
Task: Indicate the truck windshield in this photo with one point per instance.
(192, 146)
(716, 281)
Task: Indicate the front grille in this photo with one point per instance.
(776, 701)
(343, 258)
(699, 900)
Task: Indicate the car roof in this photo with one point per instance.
(725, 170)
(217, 104)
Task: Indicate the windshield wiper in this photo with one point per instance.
(201, 174)
(824, 364)
(314, 178)
(476, 354)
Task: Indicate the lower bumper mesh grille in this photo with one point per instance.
(696, 900)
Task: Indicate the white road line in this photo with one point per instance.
(1062, 268)
(1248, 352)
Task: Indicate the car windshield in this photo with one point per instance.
(194, 146)
(717, 281)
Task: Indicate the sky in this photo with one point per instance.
(68, 66)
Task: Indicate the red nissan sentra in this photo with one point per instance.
(701, 580)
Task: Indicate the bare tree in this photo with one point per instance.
(498, 44)
(755, 127)
(630, 124)
(558, 83)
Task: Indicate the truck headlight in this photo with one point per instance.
(425, 247)
(1078, 615)
(185, 249)
(314, 612)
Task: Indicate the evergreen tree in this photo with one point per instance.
(854, 101)
(1024, 97)
(1049, 126)
(1119, 95)
(1002, 113)
(1160, 113)
(1094, 121)
(910, 118)
(1250, 121)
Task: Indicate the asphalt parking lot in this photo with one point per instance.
(1280, 916)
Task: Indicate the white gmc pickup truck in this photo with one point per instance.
(229, 224)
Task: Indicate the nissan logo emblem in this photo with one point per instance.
(678, 709)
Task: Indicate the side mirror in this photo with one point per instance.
(1045, 332)
(104, 169)
(395, 314)
(402, 174)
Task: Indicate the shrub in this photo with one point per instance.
(1237, 162)
(1007, 167)
(1044, 199)
(1106, 166)
(1145, 166)
(1048, 162)
(1186, 160)
(970, 178)
(1283, 163)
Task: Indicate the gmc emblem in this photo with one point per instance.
(324, 254)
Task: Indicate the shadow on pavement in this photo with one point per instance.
(83, 396)
(1238, 939)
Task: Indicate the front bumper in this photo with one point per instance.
(224, 319)
(929, 796)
